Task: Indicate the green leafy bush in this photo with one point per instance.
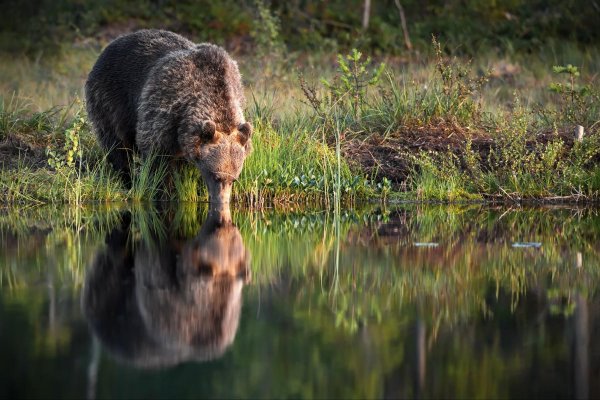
(577, 104)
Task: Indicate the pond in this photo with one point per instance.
(397, 301)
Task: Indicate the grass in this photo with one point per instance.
(147, 178)
(281, 169)
(437, 129)
(295, 168)
(444, 140)
(43, 83)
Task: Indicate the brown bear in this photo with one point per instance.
(161, 301)
(154, 91)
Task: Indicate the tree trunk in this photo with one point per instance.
(407, 42)
(366, 14)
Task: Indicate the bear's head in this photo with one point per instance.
(219, 156)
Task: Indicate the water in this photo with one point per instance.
(408, 301)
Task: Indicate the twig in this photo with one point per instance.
(507, 194)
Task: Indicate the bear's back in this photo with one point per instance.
(205, 79)
(115, 83)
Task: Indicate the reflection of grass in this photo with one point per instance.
(59, 241)
(188, 219)
(449, 282)
(372, 274)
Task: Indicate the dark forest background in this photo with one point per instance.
(466, 26)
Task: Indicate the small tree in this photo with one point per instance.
(352, 80)
(575, 101)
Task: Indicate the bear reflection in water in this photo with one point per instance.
(157, 303)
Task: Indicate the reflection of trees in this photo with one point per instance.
(581, 348)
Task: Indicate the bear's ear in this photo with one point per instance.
(245, 132)
(208, 130)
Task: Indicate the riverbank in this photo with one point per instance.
(435, 128)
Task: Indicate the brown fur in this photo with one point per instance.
(155, 91)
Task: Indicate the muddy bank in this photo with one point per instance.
(15, 153)
(390, 156)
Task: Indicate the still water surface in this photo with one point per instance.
(408, 301)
